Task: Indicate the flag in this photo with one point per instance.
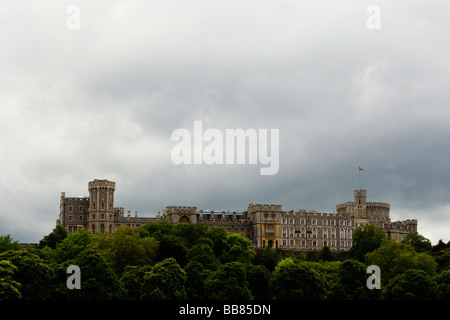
(361, 169)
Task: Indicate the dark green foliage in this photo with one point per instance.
(418, 242)
(165, 281)
(9, 289)
(32, 273)
(162, 261)
(229, 282)
(412, 285)
(366, 239)
(98, 280)
(53, 238)
(7, 243)
(296, 281)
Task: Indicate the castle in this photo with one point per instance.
(265, 225)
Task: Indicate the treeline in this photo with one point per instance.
(163, 261)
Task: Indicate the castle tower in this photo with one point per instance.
(101, 206)
(360, 197)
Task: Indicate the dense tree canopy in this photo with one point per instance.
(161, 261)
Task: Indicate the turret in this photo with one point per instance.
(101, 206)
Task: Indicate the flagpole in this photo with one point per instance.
(359, 176)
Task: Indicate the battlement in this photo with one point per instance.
(76, 199)
(263, 207)
(101, 183)
(181, 209)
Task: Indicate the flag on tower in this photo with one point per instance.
(361, 169)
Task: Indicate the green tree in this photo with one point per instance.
(442, 258)
(258, 278)
(395, 258)
(166, 281)
(7, 243)
(352, 282)
(196, 274)
(238, 248)
(32, 273)
(325, 254)
(418, 242)
(9, 289)
(218, 236)
(190, 233)
(443, 281)
(228, 282)
(74, 244)
(98, 280)
(412, 285)
(269, 258)
(366, 239)
(53, 238)
(204, 254)
(296, 281)
(161, 231)
(132, 278)
(125, 247)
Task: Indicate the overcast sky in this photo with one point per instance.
(101, 102)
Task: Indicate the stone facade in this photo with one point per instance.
(264, 224)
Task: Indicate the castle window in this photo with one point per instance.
(284, 232)
(70, 208)
(325, 222)
(342, 234)
(93, 206)
(103, 216)
(314, 233)
(81, 217)
(184, 219)
(81, 209)
(93, 217)
(349, 233)
(103, 206)
(291, 232)
(333, 233)
(325, 233)
(70, 218)
(102, 228)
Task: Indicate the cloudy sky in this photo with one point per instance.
(94, 91)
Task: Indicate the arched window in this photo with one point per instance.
(185, 219)
(349, 233)
(314, 233)
(333, 233)
(110, 229)
(284, 232)
(291, 232)
(325, 233)
(342, 233)
(303, 231)
(93, 227)
(102, 228)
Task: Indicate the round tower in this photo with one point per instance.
(101, 206)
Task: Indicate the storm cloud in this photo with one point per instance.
(101, 101)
